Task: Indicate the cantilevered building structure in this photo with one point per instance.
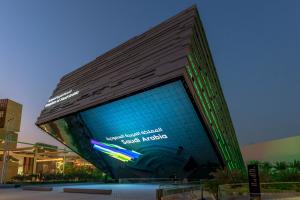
(151, 107)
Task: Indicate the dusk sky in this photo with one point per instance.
(255, 46)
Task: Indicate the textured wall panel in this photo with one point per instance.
(150, 58)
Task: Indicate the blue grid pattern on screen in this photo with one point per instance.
(167, 107)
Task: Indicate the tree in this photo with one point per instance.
(280, 166)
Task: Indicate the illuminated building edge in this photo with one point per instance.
(202, 83)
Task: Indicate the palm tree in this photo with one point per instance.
(266, 166)
(265, 172)
(295, 165)
(280, 166)
(222, 176)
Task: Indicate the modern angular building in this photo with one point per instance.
(151, 107)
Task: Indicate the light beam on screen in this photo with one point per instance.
(116, 151)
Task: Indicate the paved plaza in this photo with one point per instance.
(119, 192)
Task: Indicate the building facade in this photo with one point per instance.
(10, 122)
(151, 107)
(283, 149)
(44, 159)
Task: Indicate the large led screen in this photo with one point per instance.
(154, 133)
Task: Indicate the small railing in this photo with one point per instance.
(180, 190)
(272, 190)
(149, 180)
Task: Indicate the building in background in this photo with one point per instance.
(42, 159)
(151, 107)
(29, 159)
(46, 159)
(284, 149)
(10, 122)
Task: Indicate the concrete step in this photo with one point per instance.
(87, 191)
(37, 188)
(4, 186)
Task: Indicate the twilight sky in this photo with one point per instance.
(255, 45)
